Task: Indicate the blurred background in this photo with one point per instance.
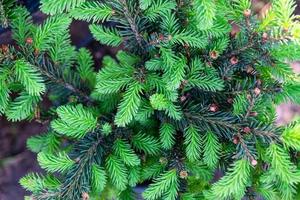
(16, 160)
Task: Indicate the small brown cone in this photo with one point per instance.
(247, 129)
(254, 162)
(213, 55)
(213, 107)
(29, 40)
(183, 174)
(253, 114)
(257, 91)
(247, 13)
(249, 69)
(182, 98)
(235, 140)
(230, 100)
(85, 196)
(265, 37)
(234, 60)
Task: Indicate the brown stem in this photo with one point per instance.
(131, 20)
(66, 85)
(244, 146)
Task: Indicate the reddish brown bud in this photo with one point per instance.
(5, 48)
(182, 98)
(233, 34)
(234, 60)
(230, 100)
(29, 40)
(161, 37)
(285, 29)
(265, 37)
(258, 82)
(235, 140)
(77, 160)
(247, 129)
(213, 107)
(247, 13)
(249, 69)
(249, 97)
(253, 162)
(257, 91)
(85, 196)
(213, 54)
(183, 84)
(253, 114)
(183, 174)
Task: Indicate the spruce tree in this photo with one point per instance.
(186, 97)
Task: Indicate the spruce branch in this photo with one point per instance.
(55, 163)
(69, 116)
(166, 184)
(132, 23)
(233, 184)
(46, 68)
(117, 172)
(89, 149)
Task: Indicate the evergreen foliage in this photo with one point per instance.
(186, 97)
(212, 149)
(69, 117)
(165, 185)
(233, 184)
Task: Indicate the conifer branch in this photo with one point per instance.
(71, 188)
(45, 64)
(132, 22)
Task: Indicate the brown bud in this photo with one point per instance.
(247, 129)
(249, 97)
(265, 37)
(161, 37)
(209, 64)
(234, 60)
(253, 114)
(253, 162)
(258, 82)
(170, 37)
(183, 174)
(247, 13)
(257, 91)
(77, 160)
(235, 140)
(183, 84)
(213, 54)
(249, 69)
(285, 29)
(85, 196)
(230, 100)
(213, 107)
(4, 48)
(182, 98)
(29, 40)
